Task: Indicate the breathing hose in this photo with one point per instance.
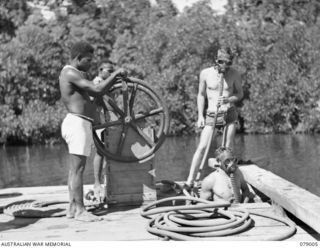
(211, 133)
(235, 188)
(197, 179)
(206, 220)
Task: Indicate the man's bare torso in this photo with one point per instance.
(212, 79)
(76, 100)
(220, 184)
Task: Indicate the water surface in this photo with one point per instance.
(293, 157)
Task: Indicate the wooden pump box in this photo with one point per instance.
(130, 183)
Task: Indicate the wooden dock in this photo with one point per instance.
(123, 223)
(302, 204)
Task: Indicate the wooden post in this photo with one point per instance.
(298, 201)
(130, 183)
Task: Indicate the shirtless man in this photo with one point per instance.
(209, 87)
(218, 185)
(76, 128)
(99, 162)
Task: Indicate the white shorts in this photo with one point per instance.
(77, 132)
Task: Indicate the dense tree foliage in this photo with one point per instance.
(280, 53)
(276, 43)
(13, 13)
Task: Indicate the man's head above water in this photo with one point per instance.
(227, 160)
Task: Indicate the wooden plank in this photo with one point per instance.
(59, 193)
(122, 224)
(301, 203)
(48, 190)
(132, 199)
(106, 231)
(134, 145)
(124, 167)
(131, 183)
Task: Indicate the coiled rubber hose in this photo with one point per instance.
(206, 220)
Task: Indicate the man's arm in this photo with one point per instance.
(201, 99)
(237, 89)
(89, 86)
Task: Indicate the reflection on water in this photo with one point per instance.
(295, 158)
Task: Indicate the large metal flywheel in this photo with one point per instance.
(134, 121)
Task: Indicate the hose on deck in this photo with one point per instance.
(205, 220)
(33, 208)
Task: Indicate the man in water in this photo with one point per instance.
(219, 185)
(76, 128)
(210, 83)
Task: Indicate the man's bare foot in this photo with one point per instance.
(86, 216)
(71, 211)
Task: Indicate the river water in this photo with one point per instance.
(293, 157)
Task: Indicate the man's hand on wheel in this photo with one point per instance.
(201, 122)
(121, 72)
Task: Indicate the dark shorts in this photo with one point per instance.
(223, 118)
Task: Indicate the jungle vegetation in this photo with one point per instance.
(276, 43)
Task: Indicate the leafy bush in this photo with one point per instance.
(8, 123)
(38, 123)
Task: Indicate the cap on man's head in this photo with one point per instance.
(81, 48)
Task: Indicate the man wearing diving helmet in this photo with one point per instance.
(219, 185)
(211, 79)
